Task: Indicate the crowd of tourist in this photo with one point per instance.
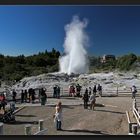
(29, 96)
(89, 96)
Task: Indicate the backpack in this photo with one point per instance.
(135, 90)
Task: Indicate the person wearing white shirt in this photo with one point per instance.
(92, 100)
(58, 116)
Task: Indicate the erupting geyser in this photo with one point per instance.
(75, 59)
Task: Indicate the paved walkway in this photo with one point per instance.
(108, 117)
(54, 101)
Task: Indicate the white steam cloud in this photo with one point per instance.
(76, 41)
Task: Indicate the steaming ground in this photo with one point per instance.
(75, 45)
(109, 81)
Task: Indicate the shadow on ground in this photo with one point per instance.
(63, 106)
(111, 111)
(25, 115)
(23, 122)
(67, 106)
(87, 131)
(99, 105)
(70, 98)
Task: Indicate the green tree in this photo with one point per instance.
(125, 62)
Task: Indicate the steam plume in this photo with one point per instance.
(76, 41)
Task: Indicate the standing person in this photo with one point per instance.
(94, 90)
(70, 90)
(54, 92)
(25, 95)
(39, 95)
(22, 96)
(78, 90)
(3, 102)
(134, 91)
(14, 94)
(30, 94)
(58, 91)
(85, 99)
(90, 90)
(58, 116)
(12, 106)
(99, 89)
(92, 100)
(5, 94)
(33, 95)
(73, 90)
(43, 97)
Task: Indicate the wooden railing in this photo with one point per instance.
(28, 129)
(133, 127)
(41, 130)
(65, 92)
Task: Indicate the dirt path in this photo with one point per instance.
(109, 118)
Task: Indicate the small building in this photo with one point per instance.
(105, 58)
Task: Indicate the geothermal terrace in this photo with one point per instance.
(108, 118)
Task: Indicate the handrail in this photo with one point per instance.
(135, 112)
(41, 132)
(136, 118)
(128, 118)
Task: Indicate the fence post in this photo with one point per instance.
(62, 91)
(1, 128)
(41, 125)
(134, 129)
(130, 127)
(133, 106)
(28, 129)
(134, 103)
(117, 91)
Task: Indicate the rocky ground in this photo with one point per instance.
(109, 81)
(109, 117)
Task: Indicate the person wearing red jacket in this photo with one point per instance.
(2, 102)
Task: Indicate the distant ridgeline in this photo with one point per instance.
(15, 68)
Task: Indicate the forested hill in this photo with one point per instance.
(128, 62)
(15, 68)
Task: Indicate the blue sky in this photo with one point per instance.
(30, 29)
